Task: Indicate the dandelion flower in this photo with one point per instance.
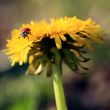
(38, 42)
(44, 46)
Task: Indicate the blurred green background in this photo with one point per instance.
(83, 92)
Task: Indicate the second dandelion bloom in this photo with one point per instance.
(38, 43)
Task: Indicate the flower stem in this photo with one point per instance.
(58, 87)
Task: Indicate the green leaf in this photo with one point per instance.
(56, 55)
(70, 59)
(33, 67)
(73, 66)
(49, 69)
(37, 66)
(70, 56)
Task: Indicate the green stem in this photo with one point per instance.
(58, 87)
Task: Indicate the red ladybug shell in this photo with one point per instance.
(25, 30)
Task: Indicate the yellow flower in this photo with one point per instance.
(74, 27)
(18, 50)
(68, 34)
(18, 47)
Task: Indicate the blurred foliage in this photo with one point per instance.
(24, 92)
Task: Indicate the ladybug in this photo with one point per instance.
(25, 32)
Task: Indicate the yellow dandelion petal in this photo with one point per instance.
(62, 37)
(75, 36)
(58, 42)
(31, 58)
(94, 37)
(18, 50)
